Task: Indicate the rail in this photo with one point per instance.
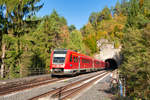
(66, 91)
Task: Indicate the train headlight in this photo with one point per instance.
(71, 65)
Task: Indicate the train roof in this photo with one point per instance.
(74, 51)
(80, 54)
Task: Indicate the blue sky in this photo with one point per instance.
(76, 12)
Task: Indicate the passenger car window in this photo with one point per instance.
(74, 58)
(70, 58)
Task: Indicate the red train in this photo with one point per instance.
(64, 62)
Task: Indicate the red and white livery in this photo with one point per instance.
(64, 62)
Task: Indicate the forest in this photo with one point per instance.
(27, 40)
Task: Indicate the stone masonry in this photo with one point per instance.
(108, 51)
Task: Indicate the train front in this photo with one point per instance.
(58, 62)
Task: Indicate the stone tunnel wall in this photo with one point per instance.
(108, 51)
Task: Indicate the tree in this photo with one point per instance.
(72, 28)
(76, 41)
(91, 43)
(133, 11)
(63, 21)
(49, 34)
(16, 25)
(88, 29)
(135, 66)
(93, 19)
(2, 31)
(104, 14)
(117, 9)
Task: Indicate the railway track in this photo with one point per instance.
(53, 87)
(72, 89)
(22, 85)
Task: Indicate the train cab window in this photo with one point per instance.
(59, 57)
(70, 58)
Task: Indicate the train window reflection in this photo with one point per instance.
(70, 58)
(59, 60)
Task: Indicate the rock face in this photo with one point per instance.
(108, 51)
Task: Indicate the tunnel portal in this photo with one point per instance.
(112, 62)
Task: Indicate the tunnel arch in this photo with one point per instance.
(112, 62)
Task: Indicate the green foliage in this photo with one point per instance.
(136, 50)
(63, 21)
(117, 9)
(136, 14)
(76, 41)
(133, 12)
(48, 35)
(103, 25)
(93, 19)
(72, 28)
(136, 64)
(91, 43)
(105, 14)
(87, 29)
(14, 26)
(117, 43)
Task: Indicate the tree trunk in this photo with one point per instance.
(2, 58)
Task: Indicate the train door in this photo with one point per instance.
(81, 63)
(93, 64)
(74, 62)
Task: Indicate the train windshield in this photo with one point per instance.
(59, 57)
